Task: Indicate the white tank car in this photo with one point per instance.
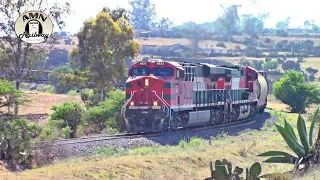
(262, 92)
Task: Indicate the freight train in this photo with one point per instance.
(166, 95)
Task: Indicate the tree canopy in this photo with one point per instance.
(142, 14)
(17, 57)
(104, 45)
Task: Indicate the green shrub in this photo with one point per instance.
(89, 97)
(108, 113)
(73, 93)
(292, 90)
(194, 142)
(68, 114)
(66, 132)
(107, 152)
(49, 133)
(48, 88)
(270, 65)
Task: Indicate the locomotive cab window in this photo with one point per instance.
(162, 72)
(140, 72)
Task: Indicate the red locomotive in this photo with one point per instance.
(166, 95)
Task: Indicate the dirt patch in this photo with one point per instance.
(43, 102)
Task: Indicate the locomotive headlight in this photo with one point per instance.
(131, 103)
(155, 103)
(146, 82)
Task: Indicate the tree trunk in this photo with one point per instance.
(102, 95)
(74, 133)
(16, 105)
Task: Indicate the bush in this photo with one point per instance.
(270, 65)
(67, 114)
(73, 93)
(108, 113)
(220, 44)
(312, 70)
(267, 59)
(257, 64)
(66, 132)
(292, 90)
(245, 62)
(291, 65)
(267, 41)
(89, 97)
(49, 133)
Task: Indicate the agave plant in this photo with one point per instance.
(223, 171)
(302, 149)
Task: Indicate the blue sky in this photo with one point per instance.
(199, 11)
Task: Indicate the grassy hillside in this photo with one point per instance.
(184, 161)
(153, 41)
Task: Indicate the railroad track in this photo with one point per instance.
(138, 135)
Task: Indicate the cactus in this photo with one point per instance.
(303, 149)
(254, 172)
(223, 171)
(14, 141)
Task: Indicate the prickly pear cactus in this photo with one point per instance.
(223, 171)
(14, 141)
(254, 172)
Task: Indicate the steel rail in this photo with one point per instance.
(243, 122)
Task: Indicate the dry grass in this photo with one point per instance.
(175, 163)
(42, 102)
(276, 105)
(152, 41)
(180, 164)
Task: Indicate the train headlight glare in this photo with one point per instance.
(155, 103)
(131, 103)
(146, 82)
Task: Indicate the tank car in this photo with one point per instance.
(165, 95)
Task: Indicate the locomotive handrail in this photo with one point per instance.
(132, 93)
(163, 101)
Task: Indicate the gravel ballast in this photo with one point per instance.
(48, 152)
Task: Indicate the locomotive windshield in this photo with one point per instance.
(140, 72)
(155, 72)
(162, 71)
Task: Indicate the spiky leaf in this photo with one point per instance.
(291, 142)
(275, 153)
(221, 167)
(280, 160)
(255, 170)
(289, 129)
(315, 117)
(302, 130)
